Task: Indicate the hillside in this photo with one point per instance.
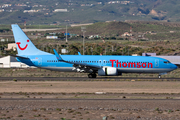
(83, 11)
(160, 37)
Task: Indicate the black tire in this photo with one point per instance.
(90, 76)
(94, 75)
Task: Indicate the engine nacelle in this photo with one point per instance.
(108, 71)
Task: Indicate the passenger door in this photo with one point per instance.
(39, 61)
(156, 62)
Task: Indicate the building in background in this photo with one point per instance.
(51, 37)
(173, 59)
(11, 46)
(60, 10)
(11, 62)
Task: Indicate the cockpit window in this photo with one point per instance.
(167, 62)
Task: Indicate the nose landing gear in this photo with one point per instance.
(161, 74)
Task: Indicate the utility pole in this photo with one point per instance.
(125, 49)
(128, 51)
(24, 24)
(83, 29)
(66, 34)
(57, 48)
(112, 48)
(92, 50)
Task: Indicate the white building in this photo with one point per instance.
(60, 10)
(30, 11)
(126, 34)
(51, 37)
(1, 10)
(11, 62)
(173, 59)
(11, 46)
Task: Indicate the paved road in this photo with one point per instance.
(29, 30)
(83, 99)
(85, 79)
(6, 35)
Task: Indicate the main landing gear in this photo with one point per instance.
(92, 75)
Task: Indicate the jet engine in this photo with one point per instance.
(108, 71)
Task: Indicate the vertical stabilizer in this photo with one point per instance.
(24, 44)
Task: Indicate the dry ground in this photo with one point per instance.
(128, 100)
(91, 86)
(91, 110)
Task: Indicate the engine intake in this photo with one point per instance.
(108, 71)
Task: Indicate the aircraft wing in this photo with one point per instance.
(77, 64)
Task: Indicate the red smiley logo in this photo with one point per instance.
(18, 43)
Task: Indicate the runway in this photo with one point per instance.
(79, 99)
(85, 79)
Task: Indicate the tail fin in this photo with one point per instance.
(24, 44)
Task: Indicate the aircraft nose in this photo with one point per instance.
(174, 66)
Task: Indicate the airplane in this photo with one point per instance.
(102, 65)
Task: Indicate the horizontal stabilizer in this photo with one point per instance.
(19, 56)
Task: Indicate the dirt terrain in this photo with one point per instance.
(91, 86)
(89, 100)
(90, 109)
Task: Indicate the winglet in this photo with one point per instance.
(58, 56)
(79, 53)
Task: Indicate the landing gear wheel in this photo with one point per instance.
(159, 76)
(92, 75)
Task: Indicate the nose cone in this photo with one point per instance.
(174, 66)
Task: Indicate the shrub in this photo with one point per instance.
(20, 115)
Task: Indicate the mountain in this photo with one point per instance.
(84, 11)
